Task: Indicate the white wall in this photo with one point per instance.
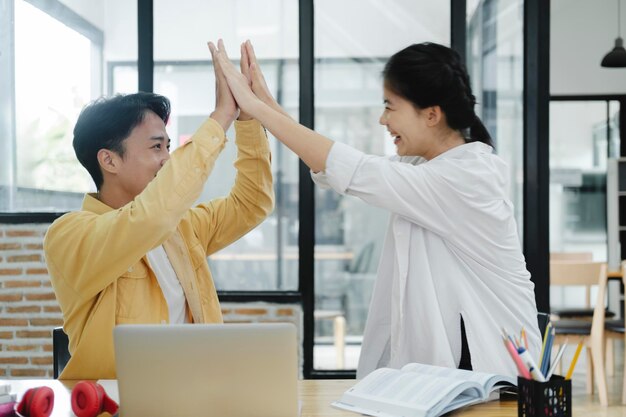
(581, 33)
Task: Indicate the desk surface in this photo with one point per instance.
(316, 396)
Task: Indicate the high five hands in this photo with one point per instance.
(246, 87)
(250, 92)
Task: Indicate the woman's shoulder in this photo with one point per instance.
(471, 156)
(472, 169)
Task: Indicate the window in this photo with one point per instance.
(49, 79)
(350, 55)
(584, 133)
(578, 165)
(495, 61)
(265, 259)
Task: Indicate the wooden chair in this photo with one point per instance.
(615, 331)
(568, 273)
(585, 311)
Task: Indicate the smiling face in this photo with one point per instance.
(410, 127)
(145, 152)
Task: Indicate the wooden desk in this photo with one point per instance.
(316, 396)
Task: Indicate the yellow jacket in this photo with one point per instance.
(96, 256)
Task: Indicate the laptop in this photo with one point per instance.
(194, 370)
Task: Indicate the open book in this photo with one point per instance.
(419, 390)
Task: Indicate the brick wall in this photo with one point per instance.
(28, 308)
(29, 311)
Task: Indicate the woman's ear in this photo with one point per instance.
(434, 115)
(108, 160)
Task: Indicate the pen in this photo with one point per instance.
(524, 338)
(556, 360)
(570, 371)
(515, 356)
(530, 364)
(545, 362)
(543, 346)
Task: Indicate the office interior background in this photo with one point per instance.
(554, 113)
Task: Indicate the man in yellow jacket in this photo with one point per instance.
(136, 252)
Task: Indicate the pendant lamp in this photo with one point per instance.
(617, 57)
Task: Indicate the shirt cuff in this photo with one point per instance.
(341, 165)
(320, 179)
(251, 133)
(210, 134)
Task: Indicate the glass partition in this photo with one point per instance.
(350, 55)
(266, 258)
(48, 80)
(495, 61)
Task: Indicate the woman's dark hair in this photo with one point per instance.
(429, 74)
(107, 122)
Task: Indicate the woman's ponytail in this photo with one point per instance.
(478, 132)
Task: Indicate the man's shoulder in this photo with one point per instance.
(72, 220)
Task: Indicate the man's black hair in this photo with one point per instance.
(107, 122)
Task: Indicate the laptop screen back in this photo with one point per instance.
(234, 370)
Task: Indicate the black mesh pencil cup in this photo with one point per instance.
(544, 399)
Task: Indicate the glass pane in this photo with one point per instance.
(614, 132)
(350, 56)
(495, 61)
(578, 155)
(267, 257)
(56, 75)
(578, 179)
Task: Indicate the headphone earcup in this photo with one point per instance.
(86, 399)
(36, 402)
(89, 400)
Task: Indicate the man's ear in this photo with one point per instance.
(109, 161)
(434, 115)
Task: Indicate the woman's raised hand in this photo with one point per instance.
(251, 69)
(239, 84)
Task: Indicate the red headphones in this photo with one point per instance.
(36, 402)
(88, 400)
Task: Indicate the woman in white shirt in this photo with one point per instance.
(452, 273)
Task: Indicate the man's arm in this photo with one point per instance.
(222, 221)
(88, 251)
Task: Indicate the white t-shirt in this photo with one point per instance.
(172, 290)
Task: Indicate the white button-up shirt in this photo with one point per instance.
(451, 250)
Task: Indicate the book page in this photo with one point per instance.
(486, 380)
(391, 392)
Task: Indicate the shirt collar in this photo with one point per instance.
(92, 204)
(477, 147)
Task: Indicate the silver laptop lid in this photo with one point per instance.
(192, 370)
